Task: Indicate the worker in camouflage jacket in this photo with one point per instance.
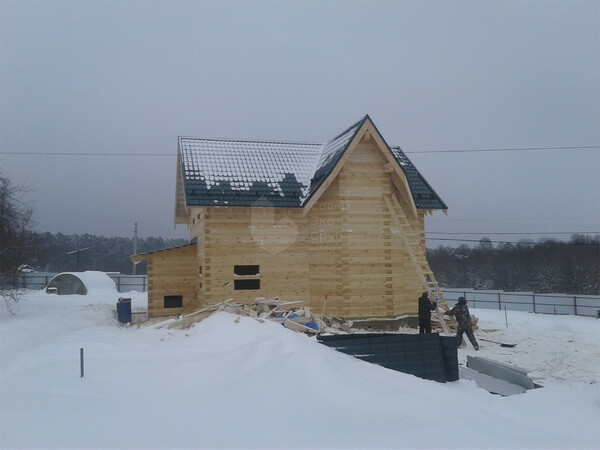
(463, 318)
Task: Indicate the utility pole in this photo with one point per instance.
(134, 246)
(79, 250)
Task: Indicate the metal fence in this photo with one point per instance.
(125, 283)
(579, 305)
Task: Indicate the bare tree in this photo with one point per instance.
(15, 236)
(548, 277)
(545, 266)
(11, 297)
(481, 278)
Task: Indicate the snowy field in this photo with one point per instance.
(224, 384)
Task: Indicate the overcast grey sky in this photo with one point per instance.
(131, 76)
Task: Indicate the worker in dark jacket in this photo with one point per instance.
(463, 318)
(425, 308)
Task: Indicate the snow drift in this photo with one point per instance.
(245, 384)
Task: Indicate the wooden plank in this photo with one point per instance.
(295, 326)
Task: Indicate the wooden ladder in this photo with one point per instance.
(417, 256)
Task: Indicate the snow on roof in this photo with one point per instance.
(238, 173)
(219, 172)
(423, 195)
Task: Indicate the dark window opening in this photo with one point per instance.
(246, 285)
(173, 301)
(246, 270)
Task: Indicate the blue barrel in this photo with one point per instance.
(124, 310)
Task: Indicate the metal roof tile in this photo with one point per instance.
(286, 174)
(423, 194)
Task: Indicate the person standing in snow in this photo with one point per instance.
(463, 317)
(425, 308)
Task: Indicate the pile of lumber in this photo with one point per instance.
(297, 317)
(292, 314)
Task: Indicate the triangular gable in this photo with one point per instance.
(335, 159)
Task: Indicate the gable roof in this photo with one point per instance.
(219, 172)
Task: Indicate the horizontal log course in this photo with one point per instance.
(347, 246)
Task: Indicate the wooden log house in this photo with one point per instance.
(338, 225)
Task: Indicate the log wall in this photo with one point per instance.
(173, 272)
(345, 247)
(360, 262)
(269, 238)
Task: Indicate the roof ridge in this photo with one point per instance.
(254, 141)
(250, 141)
(358, 122)
(319, 163)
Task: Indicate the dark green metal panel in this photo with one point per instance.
(450, 354)
(428, 356)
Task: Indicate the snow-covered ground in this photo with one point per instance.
(247, 384)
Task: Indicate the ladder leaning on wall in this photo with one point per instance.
(417, 256)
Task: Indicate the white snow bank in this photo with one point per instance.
(554, 348)
(256, 385)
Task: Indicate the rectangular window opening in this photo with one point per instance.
(246, 285)
(246, 270)
(173, 301)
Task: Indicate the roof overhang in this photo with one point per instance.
(144, 256)
(181, 211)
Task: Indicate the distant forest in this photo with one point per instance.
(571, 267)
(53, 252)
(546, 266)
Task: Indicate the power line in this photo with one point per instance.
(516, 221)
(512, 242)
(86, 154)
(518, 149)
(513, 233)
(471, 150)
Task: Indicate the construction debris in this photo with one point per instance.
(293, 315)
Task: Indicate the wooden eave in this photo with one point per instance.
(403, 185)
(182, 214)
(139, 258)
(144, 256)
